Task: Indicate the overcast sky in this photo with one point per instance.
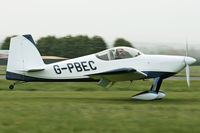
(134, 20)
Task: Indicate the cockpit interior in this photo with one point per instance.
(118, 53)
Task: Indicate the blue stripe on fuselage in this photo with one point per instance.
(15, 76)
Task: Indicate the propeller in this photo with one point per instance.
(188, 61)
(187, 69)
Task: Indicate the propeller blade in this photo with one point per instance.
(188, 74)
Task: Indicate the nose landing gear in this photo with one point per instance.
(152, 94)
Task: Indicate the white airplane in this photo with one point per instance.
(106, 67)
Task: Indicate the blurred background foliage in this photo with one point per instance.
(80, 45)
(70, 46)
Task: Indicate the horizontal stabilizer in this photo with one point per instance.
(32, 69)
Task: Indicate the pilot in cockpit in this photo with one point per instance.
(121, 54)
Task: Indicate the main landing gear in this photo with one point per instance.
(12, 86)
(152, 94)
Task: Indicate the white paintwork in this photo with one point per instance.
(146, 96)
(189, 60)
(161, 95)
(23, 55)
(149, 95)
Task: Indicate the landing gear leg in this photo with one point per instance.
(158, 85)
(152, 94)
(160, 93)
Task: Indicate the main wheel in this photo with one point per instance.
(11, 87)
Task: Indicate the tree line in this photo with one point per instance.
(70, 46)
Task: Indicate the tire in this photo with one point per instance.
(11, 87)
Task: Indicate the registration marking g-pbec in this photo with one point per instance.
(77, 66)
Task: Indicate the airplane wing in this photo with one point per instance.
(122, 74)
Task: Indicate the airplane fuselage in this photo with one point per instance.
(77, 69)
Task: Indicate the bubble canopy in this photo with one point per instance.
(118, 53)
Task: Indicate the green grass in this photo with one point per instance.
(2, 70)
(194, 72)
(168, 84)
(87, 108)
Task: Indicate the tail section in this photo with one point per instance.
(23, 57)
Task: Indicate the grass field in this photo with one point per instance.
(194, 71)
(2, 70)
(87, 108)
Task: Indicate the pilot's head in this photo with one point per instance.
(120, 51)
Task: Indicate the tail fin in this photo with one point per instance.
(23, 56)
